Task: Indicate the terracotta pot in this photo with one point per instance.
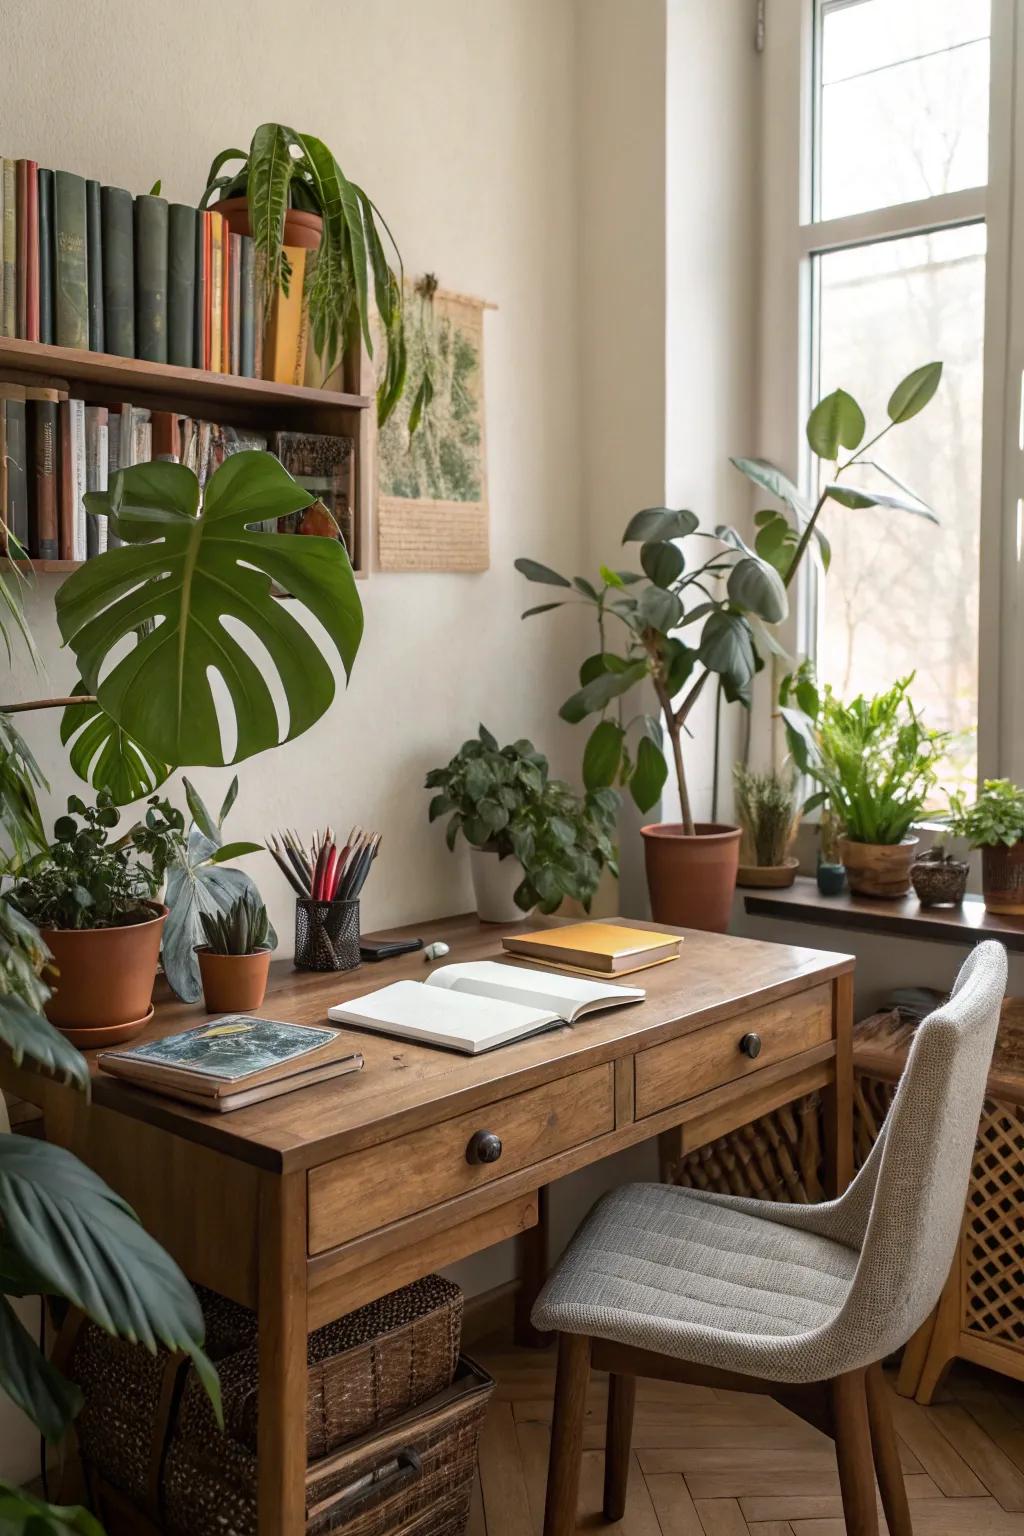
(495, 882)
(300, 229)
(104, 976)
(1002, 879)
(879, 869)
(691, 880)
(233, 983)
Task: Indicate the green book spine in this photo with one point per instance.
(181, 284)
(46, 330)
(118, 246)
(10, 250)
(151, 279)
(94, 241)
(70, 262)
(248, 345)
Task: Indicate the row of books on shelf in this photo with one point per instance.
(91, 267)
(54, 448)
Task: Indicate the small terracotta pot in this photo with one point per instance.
(879, 869)
(691, 880)
(104, 976)
(301, 229)
(233, 983)
(1002, 879)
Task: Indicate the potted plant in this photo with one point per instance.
(876, 763)
(290, 193)
(235, 960)
(532, 840)
(767, 812)
(831, 872)
(93, 902)
(995, 824)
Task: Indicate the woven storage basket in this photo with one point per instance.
(411, 1478)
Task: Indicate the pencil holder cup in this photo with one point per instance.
(326, 935)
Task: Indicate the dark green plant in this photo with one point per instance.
(502, 799)
(243, 929)
(283, 169)
(874, 758)
(996, 816)
(767, 812)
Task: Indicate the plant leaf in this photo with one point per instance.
(856, 498)
(197, 885)
(649, 774)
(756, 585)
(105, 756)
(600, 691)
(913, 393)
(836, 420)
(31, 1381)
(654, 524)
(271, 167)
(727, 647)
(770, 478)
(21, 1514)
(601, 754)
(189, 574)
(234, 851)
(660, 610)
(534, 571)
(528, 613)
(26, 1033)
(662, 562)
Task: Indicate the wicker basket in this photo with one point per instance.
(413, 1478)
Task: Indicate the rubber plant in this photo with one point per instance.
(282, 169)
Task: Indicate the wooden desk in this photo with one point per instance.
(311, 1204)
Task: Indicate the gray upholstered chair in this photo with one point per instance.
(799, 1301)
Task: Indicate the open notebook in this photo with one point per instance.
(479, 1004)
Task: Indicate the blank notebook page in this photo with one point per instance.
(418, 1010)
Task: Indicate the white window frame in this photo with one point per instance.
(790, 241)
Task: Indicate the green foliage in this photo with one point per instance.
(766, 810)
(105, 756)
(243, 929)
(23, 994)
(996, 816)
(21, 1514)
(502, 799)
(184, 575)
(282, 169)
(874, 759)
(20, 819)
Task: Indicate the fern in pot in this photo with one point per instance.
(766, 809)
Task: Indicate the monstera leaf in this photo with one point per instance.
(22, 1514)
(200, 884)
(205, 579)
(105, 756)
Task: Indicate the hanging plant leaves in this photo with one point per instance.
(22, 1512)
(31, 1382)
(105, 756)
(26, 1033)
(189, 571)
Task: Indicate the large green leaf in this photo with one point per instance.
(534, 571)
(649, 774)
(857, 498)
(600, 691)
(755, 584)
(770, 478)
(835, 421)
(340, 269)
(659, 609)
(727, 647)
(105, 756)
(656, 523)
(602, 754)
(22, 1514)
(20, 817)
(271, 167)
(30, 1381)
(86, 1245)
(662, 562)
(913, 393)
(191, 571)
(26, 1033)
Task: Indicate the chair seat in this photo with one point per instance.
(702, 1279)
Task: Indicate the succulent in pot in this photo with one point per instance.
(766, 809)
(994, 822)
(235, 960)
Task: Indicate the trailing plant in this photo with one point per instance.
(282, 169)
(874, 758)
(502, 799)
(766, 810)
(996, 816)
(242, 929)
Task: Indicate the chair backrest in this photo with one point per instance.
(908, 1198)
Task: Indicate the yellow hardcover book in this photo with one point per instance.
(608, 947)
(284, 345)
(218, 231)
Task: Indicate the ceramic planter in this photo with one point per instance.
(233, 983)
(879, 869)
(104, 980)
(495, 882)
(1002, 879)
(767, 877)
(831, 879)
(691, 880)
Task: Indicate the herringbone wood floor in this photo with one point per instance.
(709, 1463)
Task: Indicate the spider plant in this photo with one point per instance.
(766, 810)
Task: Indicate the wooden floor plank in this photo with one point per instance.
(506, 1505)
(792, 1507)
(639, 1518)
(770, 1528)
(534, 1442)
(936, 1517)
(985, 1459)
(673, 1505)
(476, 1524)
(721, 1517)
(938, 1458)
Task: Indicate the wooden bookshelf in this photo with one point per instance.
(261, 404)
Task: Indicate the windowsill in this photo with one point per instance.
(802, 902)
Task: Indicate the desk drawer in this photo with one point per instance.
(681, 1069)
(370, 1189)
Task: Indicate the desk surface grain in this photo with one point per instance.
(404, 1086)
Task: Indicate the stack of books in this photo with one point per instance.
(91, 267)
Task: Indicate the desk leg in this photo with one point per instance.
(838, 1099)
(533, 1253)
(282, 1355)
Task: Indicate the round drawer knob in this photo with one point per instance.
(484, 1147)
(750, 1045)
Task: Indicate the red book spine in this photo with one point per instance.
(32, 250)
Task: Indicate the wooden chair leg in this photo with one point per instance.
(618, 1439)
(853, 1452)
(915, 1353)
(570, 1406)
(886, 1455)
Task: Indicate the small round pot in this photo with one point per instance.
(879, 869)
(301, 229)
(233, 983)
(691, 880)
(495, 882)
(939, 883)
(1002, 879)
(767, 877)
(831, 879)
(104, 976)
